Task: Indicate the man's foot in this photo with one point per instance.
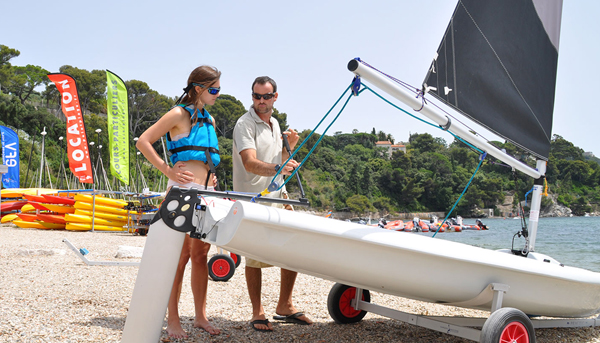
(261, 324)
(175, 330)
(294, 318)
(207, 326)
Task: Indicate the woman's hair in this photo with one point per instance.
(205, 76)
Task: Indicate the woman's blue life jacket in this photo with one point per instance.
(200, 145)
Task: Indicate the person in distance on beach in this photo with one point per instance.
(258, 154)
(189, 126)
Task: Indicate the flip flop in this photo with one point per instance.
(292, 318)
(260, 321)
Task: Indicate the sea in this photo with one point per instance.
(573, 241)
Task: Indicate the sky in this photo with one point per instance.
(305, 46)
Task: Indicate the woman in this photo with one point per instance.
(192, 141)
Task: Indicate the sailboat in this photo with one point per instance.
(496, 65)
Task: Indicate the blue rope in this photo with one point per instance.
(304, 142)
(526, 194)
(481, 158)
(424, 121)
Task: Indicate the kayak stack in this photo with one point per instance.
(35, 208)
(107, 214)
(48, 209)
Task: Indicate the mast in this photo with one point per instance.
(536, 202)
(395, 90)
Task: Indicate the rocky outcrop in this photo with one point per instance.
(556, 209)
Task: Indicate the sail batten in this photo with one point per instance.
(497, 65)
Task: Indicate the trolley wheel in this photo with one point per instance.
(237, 259)
(339, 304)
(221, 267)
(508, 325)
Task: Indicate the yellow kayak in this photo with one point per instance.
(88, 227)
(78, 218)
(18, 192)
(101, 200)
(104, 215)
(37, 225)
(8, 218)
(27, 208)
(80, 205)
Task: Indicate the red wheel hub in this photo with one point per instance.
(514, 332)
(345, 303)
(220, 268)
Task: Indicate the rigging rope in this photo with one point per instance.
(481, 158)
(273, 186)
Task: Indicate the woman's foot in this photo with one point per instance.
(207, 326)
(175, 330)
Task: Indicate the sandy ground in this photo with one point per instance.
(47, 294)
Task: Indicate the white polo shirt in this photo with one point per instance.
(251, 132)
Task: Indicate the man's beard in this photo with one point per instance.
(264, 110)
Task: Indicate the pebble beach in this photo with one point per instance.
(48, 294)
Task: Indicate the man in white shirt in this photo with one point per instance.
(258, 154)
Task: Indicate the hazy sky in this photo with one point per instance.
(305, 46)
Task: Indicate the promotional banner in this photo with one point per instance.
(118, 126)
(10, 157)
(77, 143)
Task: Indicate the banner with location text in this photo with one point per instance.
(10, 157)
(118, 126)
(77, 143)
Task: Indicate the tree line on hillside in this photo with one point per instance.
(346, 172)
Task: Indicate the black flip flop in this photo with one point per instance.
(260, 321)
(292, 318)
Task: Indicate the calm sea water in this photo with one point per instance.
(573, 241)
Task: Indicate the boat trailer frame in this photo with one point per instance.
(82, 252)
(463, 326)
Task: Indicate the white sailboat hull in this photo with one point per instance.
(398, 263)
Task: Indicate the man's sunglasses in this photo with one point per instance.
(267, 96)
(211, 90)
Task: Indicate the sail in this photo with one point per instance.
(497, 65)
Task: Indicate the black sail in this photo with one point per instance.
(497, 65)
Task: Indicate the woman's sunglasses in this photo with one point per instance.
(267, 96)
(211, 90)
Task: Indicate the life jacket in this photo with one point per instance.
(201, 144)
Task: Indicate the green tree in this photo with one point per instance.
(226, 111)
(24, 80)
(91, 87)
(146, 106)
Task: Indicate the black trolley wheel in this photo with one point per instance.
(221, 267)
(237, 259)
(339, 304)
(508, 325)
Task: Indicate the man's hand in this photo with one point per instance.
(288, 169)
(292, 137)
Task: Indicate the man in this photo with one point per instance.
(258, 154)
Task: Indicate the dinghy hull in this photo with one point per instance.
(380, 260)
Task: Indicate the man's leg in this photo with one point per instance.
(199, 252)
(285, 306)
(174, 328)
(254, 282)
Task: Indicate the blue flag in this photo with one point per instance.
(10, 157)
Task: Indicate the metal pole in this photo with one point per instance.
(42, 158)
(136, 163)
(402, 94)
